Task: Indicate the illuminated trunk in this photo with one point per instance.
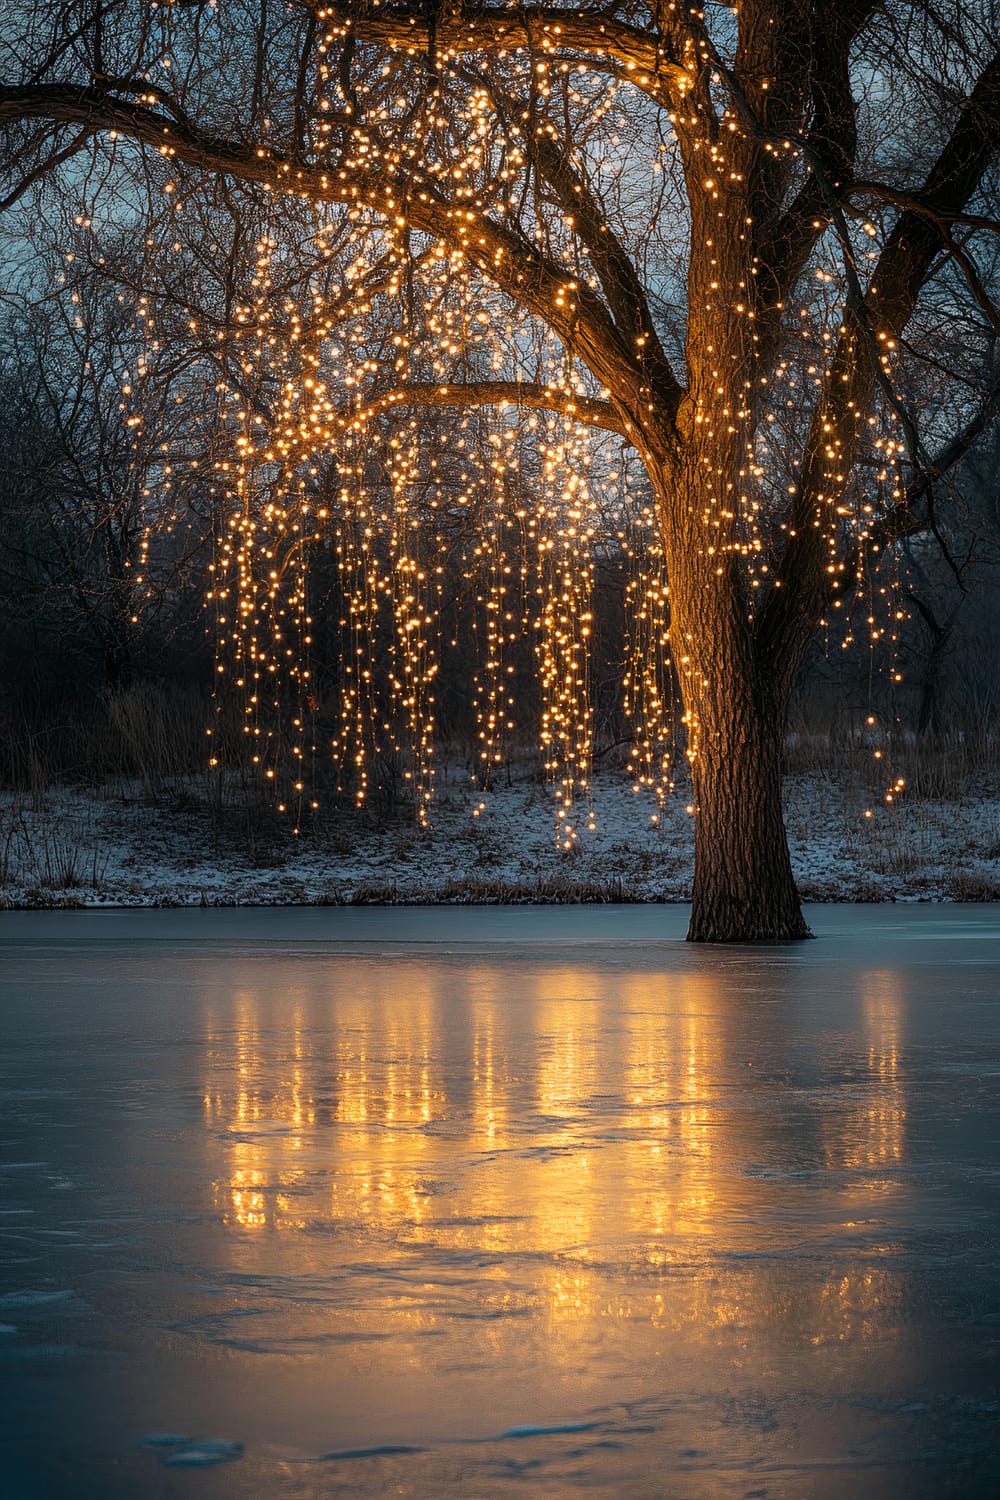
(735, 709)
(744, 890)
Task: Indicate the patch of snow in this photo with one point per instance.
(111, 847)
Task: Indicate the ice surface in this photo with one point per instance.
(529, 1431)
(204, 1454)
(27, 1300)
(387, 1450)
(435, 1203)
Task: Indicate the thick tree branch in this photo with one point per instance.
(582, 409)
(461, 29)
(784, 241)
(301, 79)
(829, 146)
(620, 282)
(538, 284)
(915, 243)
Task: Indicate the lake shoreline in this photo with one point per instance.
(125, 845)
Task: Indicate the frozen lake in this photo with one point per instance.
(482, 1203)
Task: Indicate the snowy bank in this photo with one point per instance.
(116, 847)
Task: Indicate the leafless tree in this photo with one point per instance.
(698, 206)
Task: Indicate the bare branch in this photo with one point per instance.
(538, 284)
(905, 519)
(863, 187)
(43, 168)
(619, 280)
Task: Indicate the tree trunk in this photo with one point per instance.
(744, 890)
(117, 665)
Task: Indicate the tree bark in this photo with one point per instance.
(744, 890)
(735, 710)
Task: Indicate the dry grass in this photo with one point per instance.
(542, 891)
(973, 885)
(934, 768)
(160, 809)
(149, 733)
(54, 858)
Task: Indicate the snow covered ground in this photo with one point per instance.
(116, 847)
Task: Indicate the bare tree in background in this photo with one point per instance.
(702, 207)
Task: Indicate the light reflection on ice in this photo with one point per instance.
(603, 1129)
(427, 1223)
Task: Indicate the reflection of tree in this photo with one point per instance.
(884, 1008)
(869, 1137)
(589, 1140)
(490, 1079)
(871, 1133)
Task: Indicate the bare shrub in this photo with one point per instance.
(974, 885)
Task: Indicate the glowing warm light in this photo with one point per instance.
(321, 451)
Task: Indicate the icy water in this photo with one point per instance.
(485, 1203)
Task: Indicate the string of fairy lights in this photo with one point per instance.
(317, 462)
(310, 478)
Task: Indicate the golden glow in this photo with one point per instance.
(340, 309)
(874, 1135)
(605, 1124)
